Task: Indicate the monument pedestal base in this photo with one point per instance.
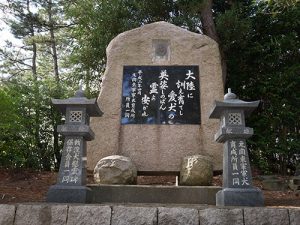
(69, 194)
(240, 197)
(154, 194)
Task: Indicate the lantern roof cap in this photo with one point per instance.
(232, 102)
(79, 100)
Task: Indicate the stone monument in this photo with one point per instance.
(71, 180)
(237, 178)
(159, 84)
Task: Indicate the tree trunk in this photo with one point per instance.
(53, 42)
(207, 21)
(40, 150)
(55, 117)
(209, 29)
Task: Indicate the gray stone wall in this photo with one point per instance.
(54, 214)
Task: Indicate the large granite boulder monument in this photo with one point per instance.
(157, 90)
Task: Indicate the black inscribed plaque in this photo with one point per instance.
(160, 95)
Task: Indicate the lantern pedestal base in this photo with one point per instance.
(239, 197)
(69, 194)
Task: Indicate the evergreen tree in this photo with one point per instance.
(32, 69)
(261, 43)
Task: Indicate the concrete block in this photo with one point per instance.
(89, 214)
(240, 197)
(274, 185)
(215, 216)
(266, 216)
(7, 214)
(154, 194)
(68, 194)
(294, 216)
(180, 216)
(41, 214)
(122, 215)
(294, 183)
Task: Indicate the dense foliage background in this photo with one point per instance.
(62, 42)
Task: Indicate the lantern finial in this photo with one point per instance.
(80, 92)
(230, 95)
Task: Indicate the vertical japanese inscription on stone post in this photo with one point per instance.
(72, 163)
(161, 95)
(239, 163)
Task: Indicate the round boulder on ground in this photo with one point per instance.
(115, 169)
(196, 170)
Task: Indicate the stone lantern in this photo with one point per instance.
(237, 179)
(71, 180)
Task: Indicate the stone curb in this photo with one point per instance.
(75, 214)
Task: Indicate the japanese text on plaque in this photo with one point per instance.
(160, 95)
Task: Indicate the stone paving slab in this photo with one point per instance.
(214, 216)
(42, 214)
(7, 214)
(122, 215)
(89, 214)
(178, 216)
(294, 216)
(266, 216)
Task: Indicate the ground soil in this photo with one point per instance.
(31, 186)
